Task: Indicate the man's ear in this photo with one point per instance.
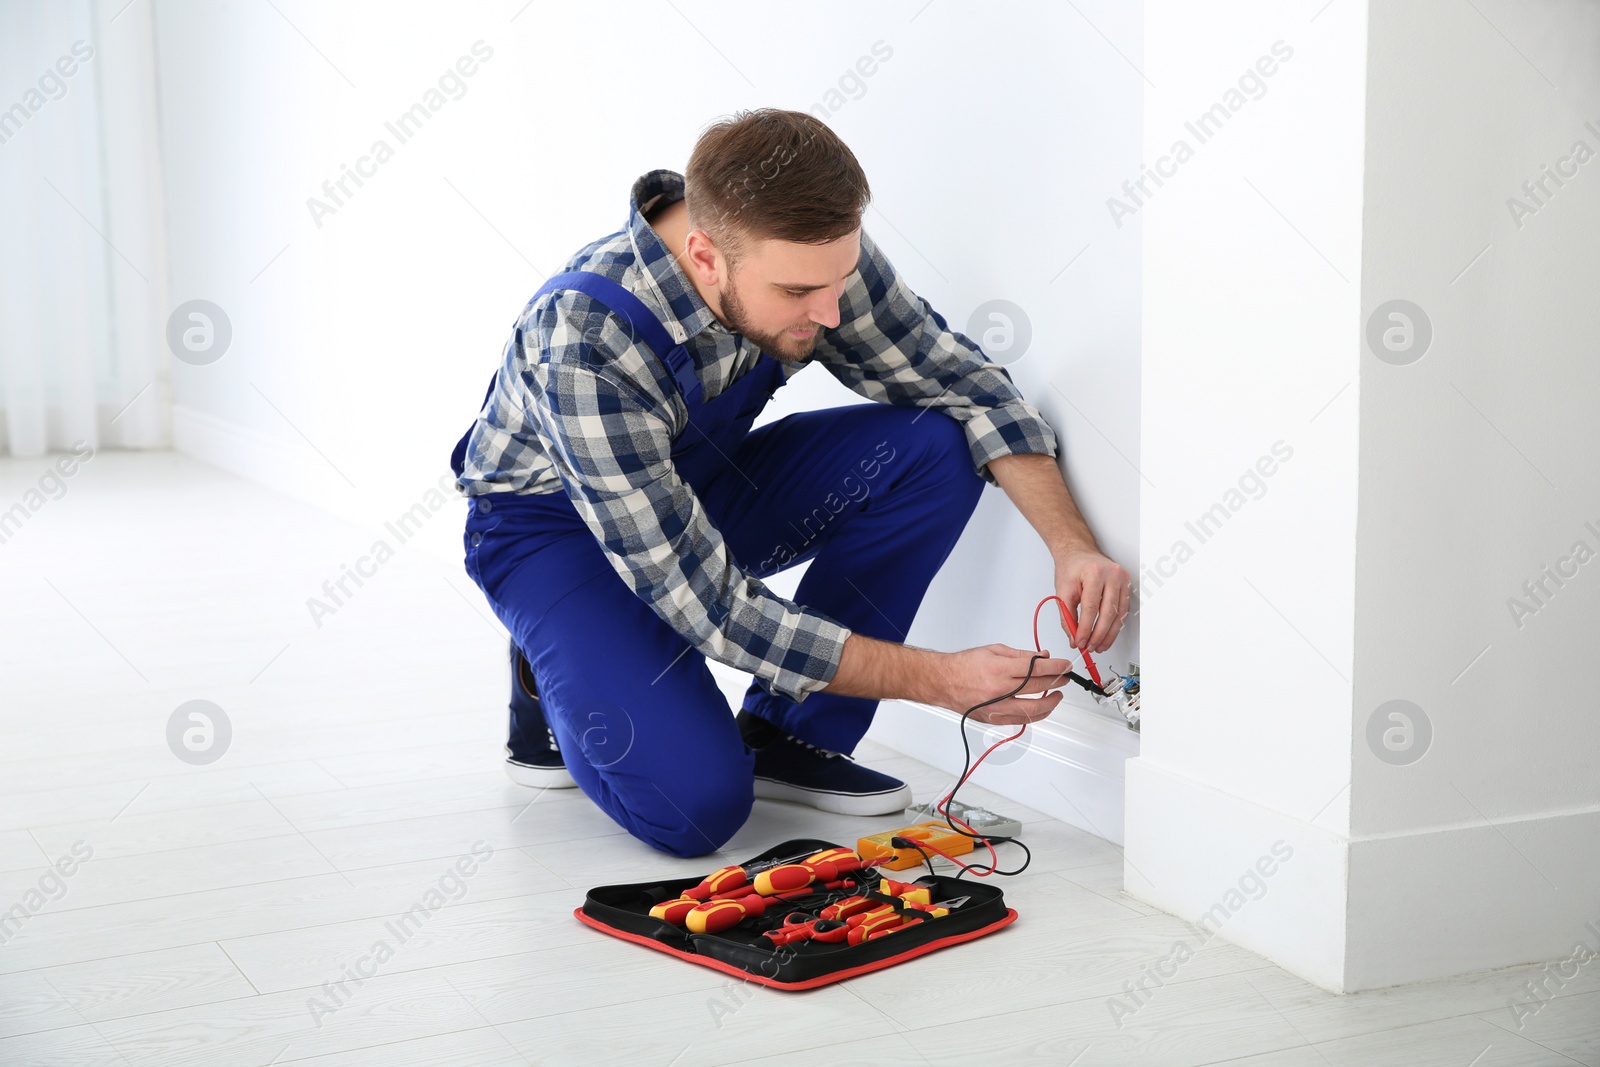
(704, 258)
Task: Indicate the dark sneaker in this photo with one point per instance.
(789, 769)
(533, 758)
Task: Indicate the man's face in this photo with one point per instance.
(781, 295)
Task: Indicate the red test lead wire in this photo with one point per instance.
(943, 806)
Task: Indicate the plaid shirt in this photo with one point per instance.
(579, 406)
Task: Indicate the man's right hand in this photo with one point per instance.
(884, 670)
(979, 674)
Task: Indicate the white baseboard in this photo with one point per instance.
(1189, 848)
(292, 467)
(1371, 912)
(1071, 768)
(1471, 898)
(279, 463)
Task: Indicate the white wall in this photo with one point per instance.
(1480, 466)
(1252, 268)
(1040, 128)
(1378, 562)
(361, 347)
(1244, 344)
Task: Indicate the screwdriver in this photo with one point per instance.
(808, 890)
(715, 916)
(718, 881)
(674, 911)
(677, 911)
(906, 891)
(824, 866)
(800, 926)
(790, 876)
(877, 922)
(719, 914)
(873, 914)
(725, 878)
(847, 907)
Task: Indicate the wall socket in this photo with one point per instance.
(1122, 693)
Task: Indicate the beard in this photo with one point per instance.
(778, 345)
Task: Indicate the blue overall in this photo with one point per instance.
(875, 496)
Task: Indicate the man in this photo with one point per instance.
(624, 512)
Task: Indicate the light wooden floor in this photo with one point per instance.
(365, 760)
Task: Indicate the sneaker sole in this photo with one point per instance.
(535, 777)
(889, 802)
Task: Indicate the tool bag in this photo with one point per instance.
(624, 911)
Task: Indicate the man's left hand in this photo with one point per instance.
(1097, 590)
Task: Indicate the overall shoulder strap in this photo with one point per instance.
(616, 298)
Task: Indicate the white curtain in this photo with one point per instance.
(82, 257)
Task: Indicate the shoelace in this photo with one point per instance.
(827, 753)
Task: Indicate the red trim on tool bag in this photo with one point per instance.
(809, 983)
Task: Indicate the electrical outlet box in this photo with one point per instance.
(1122, 693)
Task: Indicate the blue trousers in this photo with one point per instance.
(875, 496)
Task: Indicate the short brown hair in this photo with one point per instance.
(772, 174)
